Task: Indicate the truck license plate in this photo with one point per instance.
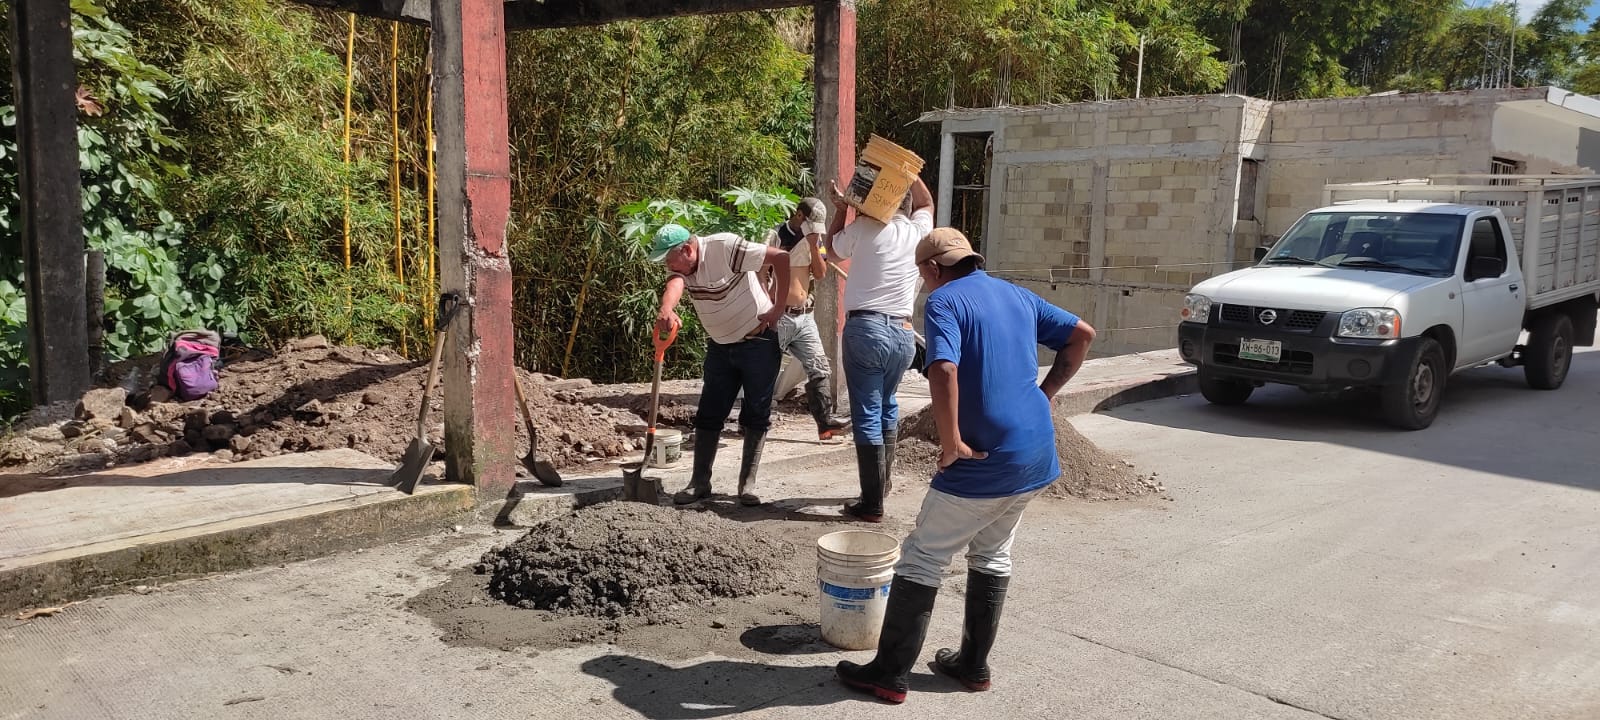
(1268, 351)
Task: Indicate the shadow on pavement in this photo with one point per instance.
(791, 639)
(1489, 421)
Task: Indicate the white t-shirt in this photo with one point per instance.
(883, 262)
(725, 289)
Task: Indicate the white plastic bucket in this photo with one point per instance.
(668, 449)
(854, 570)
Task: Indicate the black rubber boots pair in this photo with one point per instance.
(875, 468)
(705, 457)
(819, 400)
(905, 626)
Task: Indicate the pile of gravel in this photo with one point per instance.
(621, 559)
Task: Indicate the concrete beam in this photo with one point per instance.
(474, 197)
(947, 176)
(530, 15)
(413, 11)
(834, 130)
(51, 194)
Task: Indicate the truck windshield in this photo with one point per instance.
(1414, 243)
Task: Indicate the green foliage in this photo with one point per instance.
(156, 281)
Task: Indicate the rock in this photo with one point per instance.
(101, 423)
(373, 397)
(160, 394)
(128, 419)
(196, 419)
(219, 434)
(312, 342)
(106, 403)
(46, 434)
(83, 461)
(147, 433)
(142, 589)
(239, 444)
(718, 623)
(72, 429)
(311, 407)
(114, 434)
(572, 384)
(224, 455)
(194, 437)
(222, 417)
(179, 448)
(142, 453)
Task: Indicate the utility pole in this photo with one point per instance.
(1511, 62)
(1138, 82)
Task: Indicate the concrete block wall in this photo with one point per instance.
(1046, 215)
(1315, 142)
(1159, 219)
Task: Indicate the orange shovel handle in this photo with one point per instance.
(662, 343)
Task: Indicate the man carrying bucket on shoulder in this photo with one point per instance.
(997, 451)
(878, 343)
(720, 273)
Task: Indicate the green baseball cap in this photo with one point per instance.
(667, 238)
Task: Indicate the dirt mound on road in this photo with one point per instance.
(1087, 470)
(310, 396)
(630, 559)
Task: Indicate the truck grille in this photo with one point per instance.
(1302, 321)
(1293, 362)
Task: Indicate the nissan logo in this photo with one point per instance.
(1268, 316)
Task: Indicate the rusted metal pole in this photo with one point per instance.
(474, 195)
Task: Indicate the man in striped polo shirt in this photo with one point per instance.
(721, 274)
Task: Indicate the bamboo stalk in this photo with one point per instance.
(349, 82)
(394, 173)
(577, 313)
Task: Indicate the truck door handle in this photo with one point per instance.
(1513, 287)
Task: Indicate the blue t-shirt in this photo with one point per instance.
(991, 330)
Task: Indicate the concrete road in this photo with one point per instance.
(1310, 564)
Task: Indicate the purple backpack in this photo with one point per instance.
(189, 367)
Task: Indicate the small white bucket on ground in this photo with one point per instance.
(668, 449)
(854, 570)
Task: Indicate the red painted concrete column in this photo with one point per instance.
(474, 197)
(834, 129)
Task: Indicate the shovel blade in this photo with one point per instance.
(542, 470)
(412, 466)
(636, 487)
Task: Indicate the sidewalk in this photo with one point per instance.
(69, 538)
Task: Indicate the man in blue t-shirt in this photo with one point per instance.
(997, 450)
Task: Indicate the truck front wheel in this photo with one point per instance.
(1549, 352)
(1218, 391)
(1412, 403)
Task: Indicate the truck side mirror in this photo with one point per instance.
(1484, 266)
(1261, 253)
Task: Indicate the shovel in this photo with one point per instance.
(421, 451)
(635, 486)
(542, 470)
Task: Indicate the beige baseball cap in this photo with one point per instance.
(946, 246)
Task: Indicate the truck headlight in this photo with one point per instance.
(1196, 308)
(1380, 323)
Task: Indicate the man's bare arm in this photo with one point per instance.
(921, 198)
(667, 319)
(1068, 359)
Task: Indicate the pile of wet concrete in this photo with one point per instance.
(622, 559)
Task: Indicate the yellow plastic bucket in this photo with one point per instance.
(882, 178)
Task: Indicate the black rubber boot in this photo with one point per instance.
(986, 595)
(889, 439)
(869, 466)
(819, 399)
(705, 456)
(905, 624)
(749, 464)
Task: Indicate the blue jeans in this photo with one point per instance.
(752, 366)
(877, 351)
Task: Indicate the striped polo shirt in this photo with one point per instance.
(725, 288)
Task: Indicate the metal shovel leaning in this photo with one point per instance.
(420, 451)
(635, 486)
(542, 470)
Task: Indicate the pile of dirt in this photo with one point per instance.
(630, 559)
(1087, 470)
(310, 396)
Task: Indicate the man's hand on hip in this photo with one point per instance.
(959, 451)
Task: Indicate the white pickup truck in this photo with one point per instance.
(1398, 284)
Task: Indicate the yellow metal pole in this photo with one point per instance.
(394, 174)
(349, 82)
(432, 221)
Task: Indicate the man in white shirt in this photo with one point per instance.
(720, 273)
(878, 342)
(797, 330)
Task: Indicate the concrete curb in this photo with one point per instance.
(1103, 396)
(235, 545)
